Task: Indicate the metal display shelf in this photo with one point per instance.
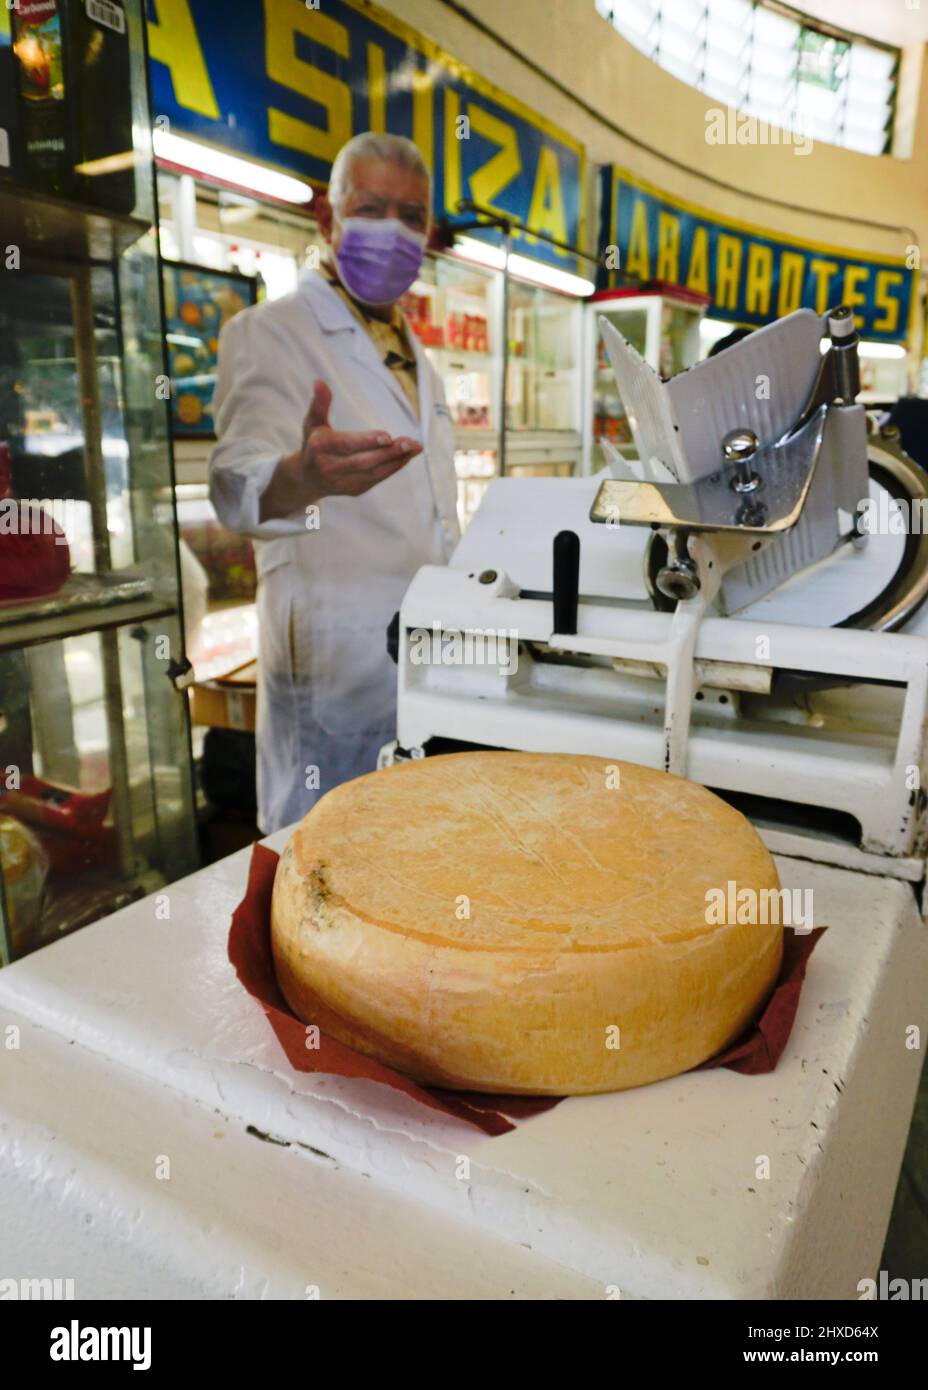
(50, 228)
(24, 626)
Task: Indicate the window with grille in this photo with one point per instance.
(771, 62)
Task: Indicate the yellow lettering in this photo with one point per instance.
(854, 275)
(758, 279)
(172, 40)
(376, 89)
(823, 271)
(698, 275)
(792, 279)
(505, 165)
(452, 150)
(423, 106)
(638, 261)
(547, 210)
(727, 271)
(285, 67)
(668, 248)
(883, 299)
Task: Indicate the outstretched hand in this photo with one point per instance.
(333, 463)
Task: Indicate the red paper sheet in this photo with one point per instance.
(758, 1050)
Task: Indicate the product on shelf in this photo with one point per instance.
(25, 870)
(418, 311)
(229, 560)
(474, 335)
(468, 333)
(75, 100)
(62, 809)
(69, 854)
(472, 416)
(9, 115)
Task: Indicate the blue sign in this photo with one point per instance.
(751, 276)
(287, 83)
(198, 303)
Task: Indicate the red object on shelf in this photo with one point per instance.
(34, 555)
(69, 854)
(35, 564)
(52, 807)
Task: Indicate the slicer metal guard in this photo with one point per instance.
(797, 485)
(712, 503)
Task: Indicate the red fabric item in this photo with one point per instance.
(36, 562)
(761, 1045)
(758, 1050)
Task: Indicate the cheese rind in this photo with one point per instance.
(524, 923)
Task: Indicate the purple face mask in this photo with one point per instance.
(378, 258)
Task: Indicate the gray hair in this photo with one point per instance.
(394, 149)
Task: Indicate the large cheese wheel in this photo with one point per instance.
(524, 923)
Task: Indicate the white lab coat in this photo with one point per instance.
(326, 685)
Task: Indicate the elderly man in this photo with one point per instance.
(336, 453)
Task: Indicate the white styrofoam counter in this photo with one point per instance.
(137, 1045)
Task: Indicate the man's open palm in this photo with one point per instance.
(341, 463)
(333, 463)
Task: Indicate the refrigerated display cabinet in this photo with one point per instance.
(543, 389)
(456, 309)
(96, 790)
(544, 360)
(662, 327)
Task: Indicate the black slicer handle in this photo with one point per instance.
(566, 581)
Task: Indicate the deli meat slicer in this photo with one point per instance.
(741, 603)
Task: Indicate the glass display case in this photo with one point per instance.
(544, 357)
(450, 308)
(662, 327)
(454, 310)
(96, 793)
